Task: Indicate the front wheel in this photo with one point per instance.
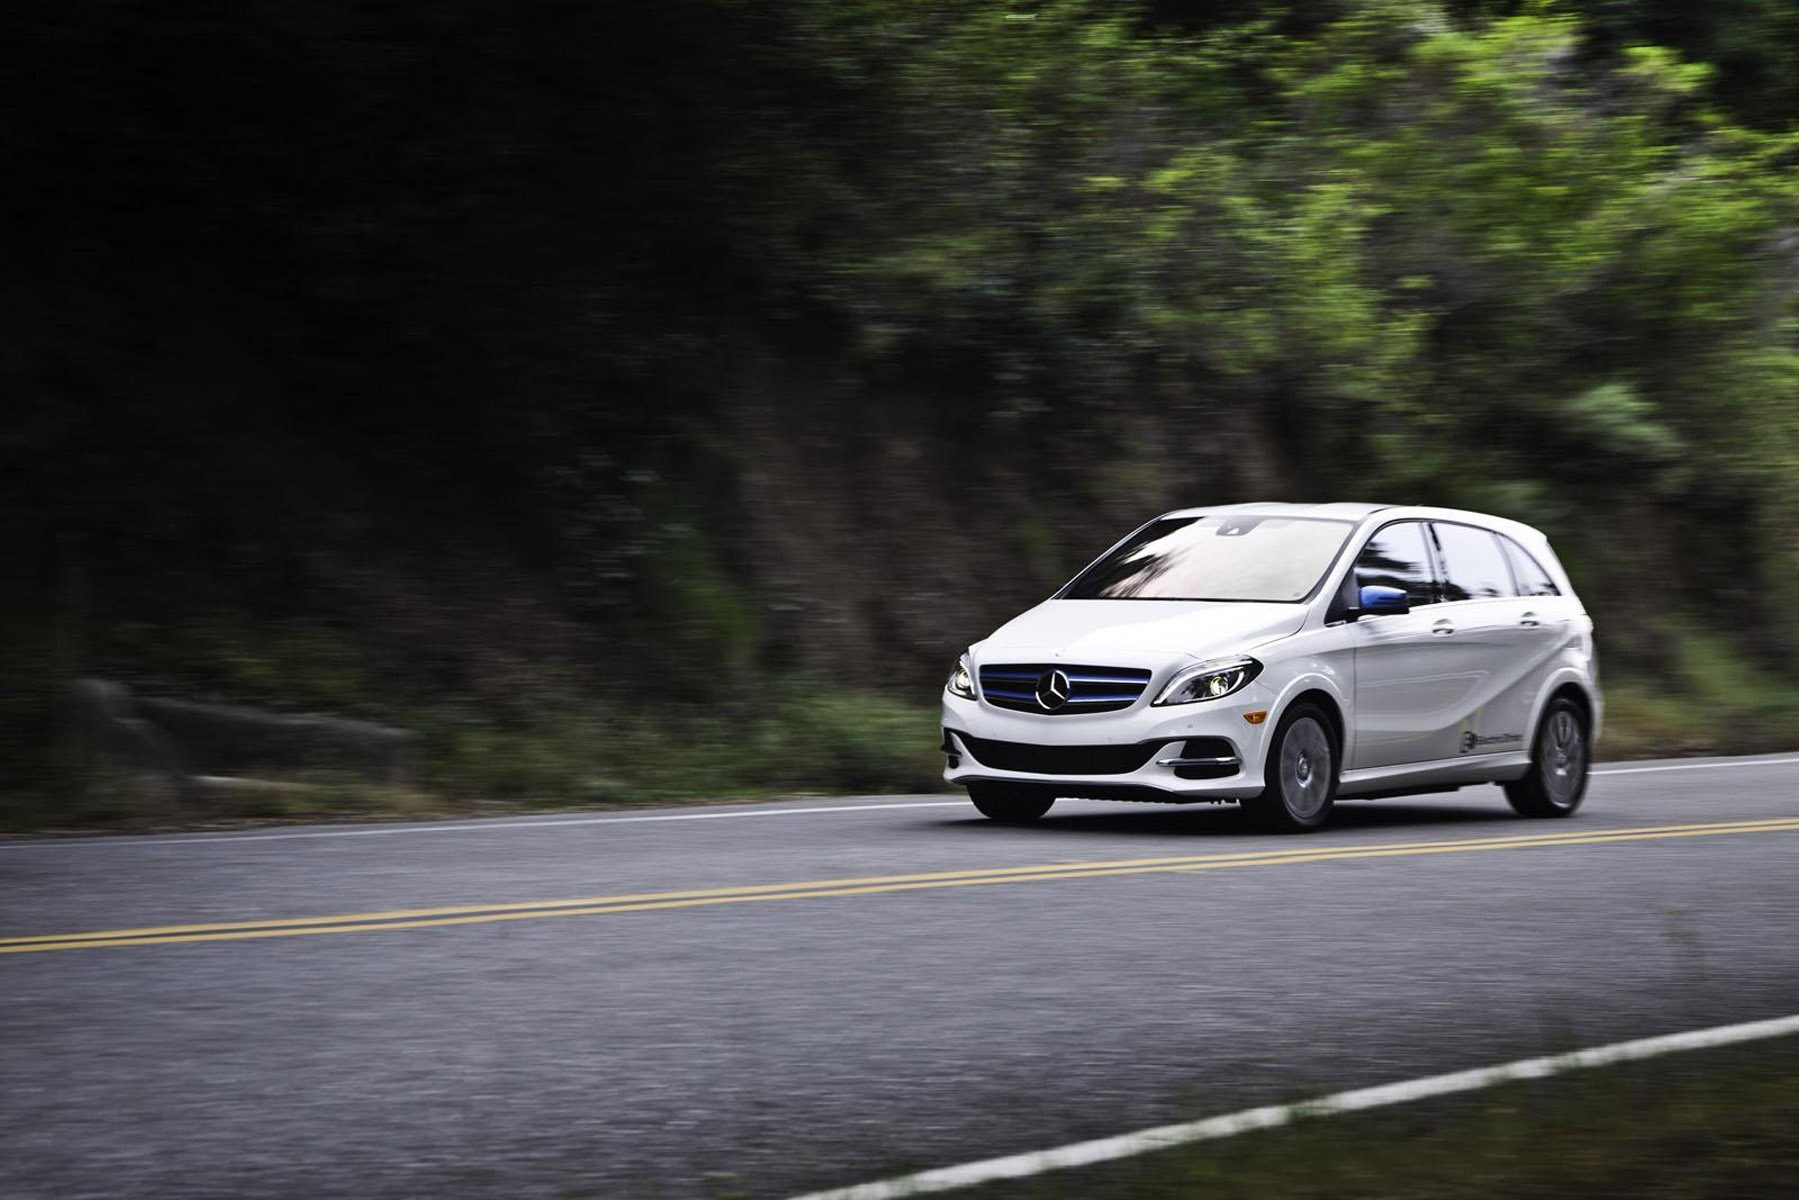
(1008, 803)
(1301, 773)
(1557, 781)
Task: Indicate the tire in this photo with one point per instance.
(1559, 758)
(1010, 804)
(1301, 773)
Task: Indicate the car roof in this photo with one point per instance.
(1359, 512)
(1338, 510)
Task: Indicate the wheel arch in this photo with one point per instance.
(1321, 679)
(1570, 686)
(1333, 711)
(1270, 808)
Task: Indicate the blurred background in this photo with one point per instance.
(640, 401)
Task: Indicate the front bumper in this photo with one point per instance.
(1157, 778)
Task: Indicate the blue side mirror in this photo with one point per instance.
(1380, 601)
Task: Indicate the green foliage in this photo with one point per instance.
(699, 623)
(296, 665)
(1497, 261)
(1711, 701)
(566, 377)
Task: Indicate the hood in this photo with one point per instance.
(1138, 632)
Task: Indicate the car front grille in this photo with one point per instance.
(1057, 760)
(1022, 687)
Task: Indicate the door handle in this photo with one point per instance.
(1529, 618)
(1443, 628)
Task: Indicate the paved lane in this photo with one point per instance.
(758, 1048)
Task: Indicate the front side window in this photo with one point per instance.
(1397, 556)
(1474, 567)
(1532, 579)
(1247, 557)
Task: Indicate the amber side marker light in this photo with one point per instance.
(1257, 717)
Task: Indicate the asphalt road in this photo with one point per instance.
(651, 1041)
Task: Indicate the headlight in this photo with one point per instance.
(961, 683)
(1210, 680)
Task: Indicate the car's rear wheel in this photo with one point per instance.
(1559, 758)
(1010, 803)
(1300, 775)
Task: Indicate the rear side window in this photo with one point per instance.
(1474, 567)
(1532, 579)
(1397, 557)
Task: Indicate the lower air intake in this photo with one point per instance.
(1058, 760)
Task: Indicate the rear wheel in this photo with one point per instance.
(1008, 803)
(1557, 781)
(1300, 775)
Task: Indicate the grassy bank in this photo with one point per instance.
(548, 737)
(1710, 1124)
(807, 741)
(804, 739)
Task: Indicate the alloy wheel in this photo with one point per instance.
(1305, 768)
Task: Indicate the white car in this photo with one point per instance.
(1285, 656)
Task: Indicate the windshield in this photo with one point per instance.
(1216, 558)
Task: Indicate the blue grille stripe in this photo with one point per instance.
(1088, 675)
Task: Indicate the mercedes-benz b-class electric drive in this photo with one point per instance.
(1285, 656)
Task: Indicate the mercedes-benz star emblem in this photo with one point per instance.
(1052, 690)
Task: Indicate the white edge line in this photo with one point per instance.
(1078, 1154)
(503, 824)
(1700, 766)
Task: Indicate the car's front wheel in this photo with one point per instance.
(1009, 803)
(1300, 775)
(1559, 758)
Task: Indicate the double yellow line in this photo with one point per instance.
(592, 906)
